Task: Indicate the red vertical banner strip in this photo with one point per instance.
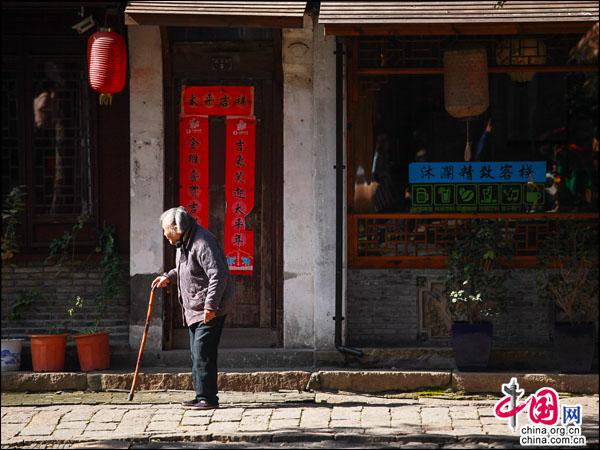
(240, 168)
(193, 166)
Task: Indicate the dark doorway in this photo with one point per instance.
(215, 57)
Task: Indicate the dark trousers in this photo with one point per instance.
(204, 343)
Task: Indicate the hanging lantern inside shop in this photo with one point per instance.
(107, 63)
(466, 91)
(521, 52)
(466, 82)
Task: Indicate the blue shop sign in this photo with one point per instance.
(477, 172)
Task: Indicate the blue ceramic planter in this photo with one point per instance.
(574, 347)
(472, 345)
(11, 354)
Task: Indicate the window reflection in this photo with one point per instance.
(10, 138)
(61, 153)
(551, 119)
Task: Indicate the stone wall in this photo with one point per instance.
(309, 187)
(55, 287)
(383, 310)
(146, 180)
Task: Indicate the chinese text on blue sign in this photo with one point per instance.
(477, 172)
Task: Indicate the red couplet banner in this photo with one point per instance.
(193, 166)
(218, 100)
(240, 165)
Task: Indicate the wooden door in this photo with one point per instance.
(254, 320)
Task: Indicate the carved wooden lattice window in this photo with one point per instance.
(413, 240)
(10, 142)
(46, 138)
(428, 51)
(61, 153)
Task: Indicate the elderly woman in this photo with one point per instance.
(205, 293)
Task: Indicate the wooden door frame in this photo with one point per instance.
(275, 227)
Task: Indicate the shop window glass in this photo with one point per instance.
(61, 152)
(551, 119)
(10, 142)
(46, 141)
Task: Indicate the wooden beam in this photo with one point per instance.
(426, 262)
(194, 20)
(383, 71)
(502, 216)
(444, 29)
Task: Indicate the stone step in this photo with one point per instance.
(405, 358)
(228, 358)
(245, 380)
(402, 358)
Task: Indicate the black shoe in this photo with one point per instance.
(203, 404)
(189, 402)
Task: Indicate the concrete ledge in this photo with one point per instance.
(229, 358)
(379, 381)
(264, 381)
(40, 382)
(415, 358)
(228, 381)
(146, 381)
(485, 382)
(303, 380)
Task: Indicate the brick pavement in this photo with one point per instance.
(263, 418)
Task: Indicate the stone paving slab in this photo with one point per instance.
(269, 418)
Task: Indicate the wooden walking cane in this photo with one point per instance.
(141, 352)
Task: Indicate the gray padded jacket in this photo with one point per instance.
(202, 276)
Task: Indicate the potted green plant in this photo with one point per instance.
(567, 277)
(474, 286)
(12, 209)
(93, 349)
(48, 350)
(92, 343)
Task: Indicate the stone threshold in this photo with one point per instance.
(356, 381)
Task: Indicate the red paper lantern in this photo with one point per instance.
(107, 63)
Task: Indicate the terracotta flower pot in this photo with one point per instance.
(93, 351)
(48, 352)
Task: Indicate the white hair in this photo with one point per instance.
(177, 218)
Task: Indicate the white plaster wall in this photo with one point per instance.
(147, 155)
(298, 187)
(146, 177)
(324, 107)
(309, 187)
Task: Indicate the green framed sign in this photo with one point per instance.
(477, 197)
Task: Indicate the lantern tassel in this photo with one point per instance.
(467, 155)
(106, 99)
